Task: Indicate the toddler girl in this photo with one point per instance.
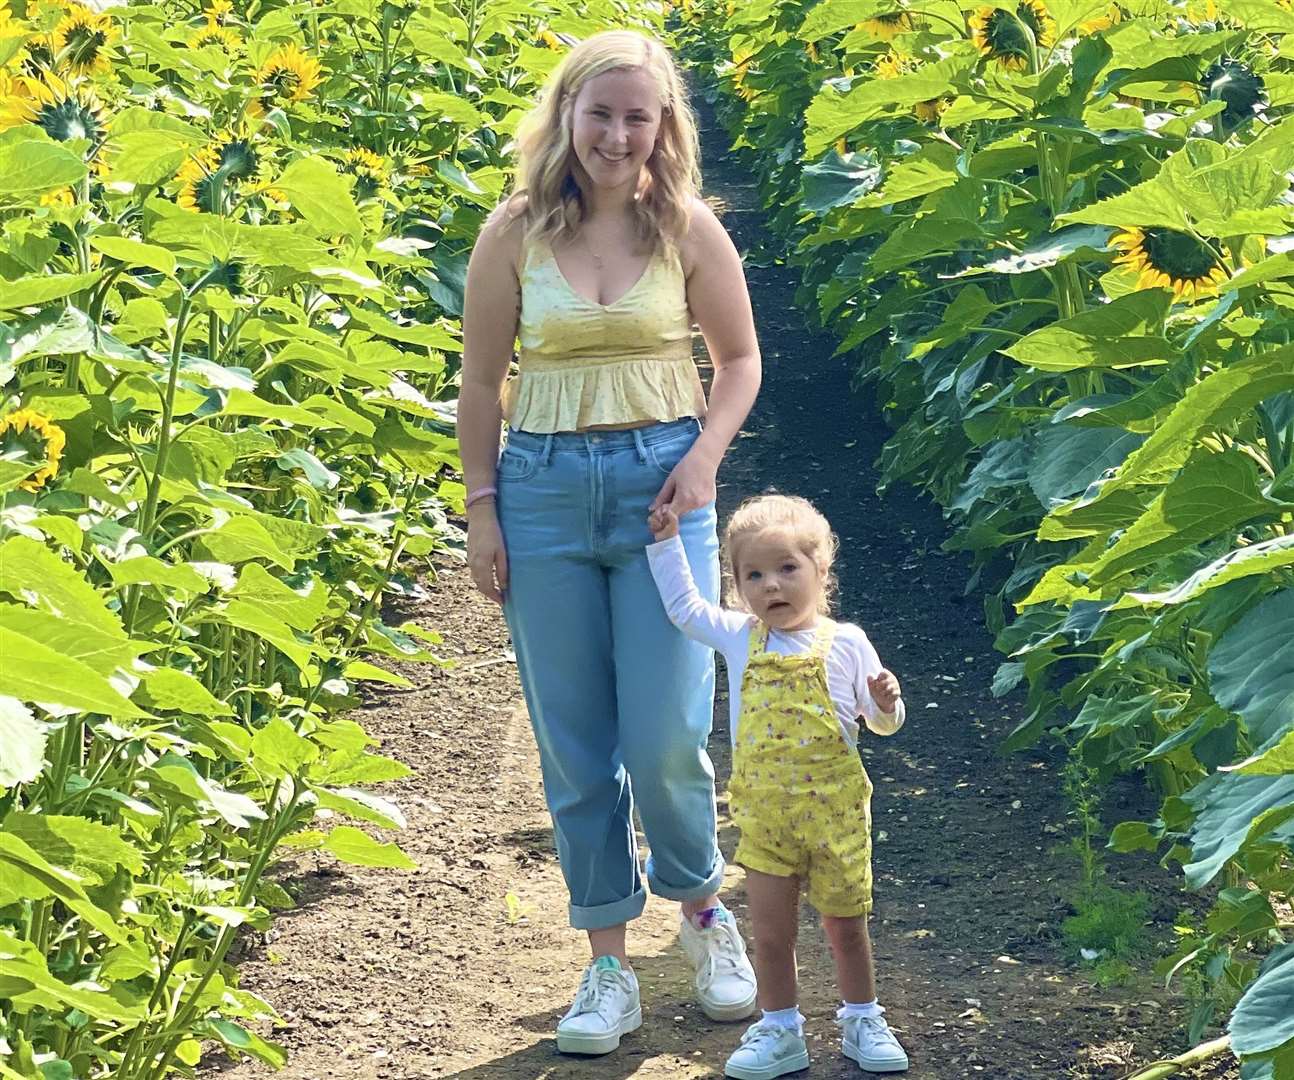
(799, 794)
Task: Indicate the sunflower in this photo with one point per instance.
(223, 38)
(888, 26)
(369, 169)
(1104, 21)
(1170, 259)
(999, 36)
(27, 435)
(551, 40)
(218, 10)
(1238, 87)
(894, 64)
(82, 39)
(59, 197)
(63, 113)
(214, 169)
(289, 75)
(842, 147)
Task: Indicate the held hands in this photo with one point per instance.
(663, 523)
(884, 689)
(689, 486)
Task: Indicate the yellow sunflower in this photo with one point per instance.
(551, 40)
(289, 75)
(27, 433)
(58, 197)
(229, 163)
(888, 26)
(62, 112)
(218, 11)
(82, 39)
(842, 147)
(999, 36)
(222, 37)
(894, 64)
(1104, 21)
(1170, 259)
(369, 169)
(812, 50)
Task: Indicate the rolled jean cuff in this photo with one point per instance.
(708, 887)
(601, 916)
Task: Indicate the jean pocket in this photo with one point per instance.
(517, 464)
(666, 455)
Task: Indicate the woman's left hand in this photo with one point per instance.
(691, 485)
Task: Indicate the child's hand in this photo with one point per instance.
(663, 523)
(884, 689)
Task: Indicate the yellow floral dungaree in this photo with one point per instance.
(799, 792)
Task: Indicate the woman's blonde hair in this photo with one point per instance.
(809, 531)
(548, 169)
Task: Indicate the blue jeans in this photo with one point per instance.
(614, 690)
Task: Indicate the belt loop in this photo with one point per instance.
(639, 444)
(547, 451)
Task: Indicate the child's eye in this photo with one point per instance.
(789, 568)
(754, 575)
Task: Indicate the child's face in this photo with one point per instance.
(614, 121)
(778, 582)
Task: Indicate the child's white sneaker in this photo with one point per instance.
(725, 981)
(869, 1041)
(606, 1006)
(767, 1050)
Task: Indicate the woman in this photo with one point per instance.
(599, 263)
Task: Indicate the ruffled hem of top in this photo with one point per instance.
(574, 398)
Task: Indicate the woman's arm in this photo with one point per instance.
(491, 304)
(720, 303)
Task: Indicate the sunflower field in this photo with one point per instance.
(234, 241)
(1057, 239)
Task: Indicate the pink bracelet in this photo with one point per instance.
(478, 494)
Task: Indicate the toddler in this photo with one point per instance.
(798, 683)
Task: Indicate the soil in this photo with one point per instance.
(461, 969)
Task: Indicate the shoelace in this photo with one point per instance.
(595, 989)
(722, 949)
(760, 1033)
(879, 1029)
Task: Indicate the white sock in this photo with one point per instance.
(852, 1009)
(787, 1018)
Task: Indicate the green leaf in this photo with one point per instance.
(179, 773)
(1212, 495)
(261, 589)
(99, 650)
(77, 843)
(362, 805)
(13, 473)
(429, 336)
(243, 403)
(1276, 760)
(1227, 807)
(317, 474)
(321, 196)
(134, 253)
(258, 620)
(1084, 240)
(1261, 558)
(147, 570)
(356, 847)
(175, 691)
(1263, 1019)
(242, 538)
(29, 291)
(22, 744)
(238, 1038)
(148, 158)
(839, 181)
(31, 163)
(280, 750)
(1248, 676)
(1111, 336)
(36, 673)
(25, 872)
(29, 569)
(1065, 459)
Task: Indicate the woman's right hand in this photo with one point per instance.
(487, 558)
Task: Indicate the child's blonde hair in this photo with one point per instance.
(810, 532)
(546, 159)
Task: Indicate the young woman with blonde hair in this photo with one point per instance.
(598, 264)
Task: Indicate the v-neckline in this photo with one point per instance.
(598, 303)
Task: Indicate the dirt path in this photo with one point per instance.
(439, 973)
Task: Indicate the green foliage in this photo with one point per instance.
(1062, 260)
(234, 240)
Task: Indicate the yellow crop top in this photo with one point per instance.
(583, 364)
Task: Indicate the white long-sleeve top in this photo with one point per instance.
(850, 661)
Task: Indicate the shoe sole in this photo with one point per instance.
(739, 1011)
(576, 1043)
(797, 1064)
(871, 1064)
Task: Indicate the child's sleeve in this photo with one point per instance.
(723, 631)
(868, 663)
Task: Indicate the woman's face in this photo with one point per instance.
(614, 122)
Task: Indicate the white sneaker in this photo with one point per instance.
(869, 1041)
(606, 1007)
(767, 1050)
(725, 981)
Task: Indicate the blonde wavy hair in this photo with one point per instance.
(801, 520)
(549, 173)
